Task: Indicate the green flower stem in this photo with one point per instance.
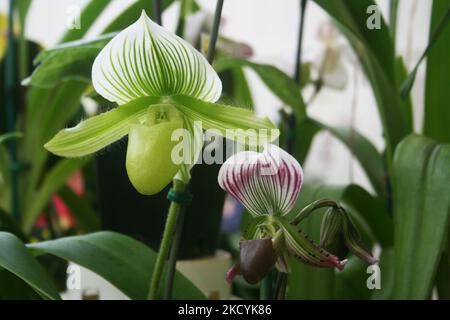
(214, 31)
(280, 288)
(178, 228)
(174, 255)
(291, 122)
(318, 204)
(393, 9)
(266, 289)
(172, 217)
(10, 106)
(157, 11)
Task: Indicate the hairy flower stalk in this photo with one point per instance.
(268, 185)
(161, 84)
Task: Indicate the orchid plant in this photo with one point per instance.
(268, 185)
(161, 84)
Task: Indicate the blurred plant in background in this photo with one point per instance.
(406, 217)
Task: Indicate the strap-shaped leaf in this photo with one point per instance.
(91, 135)
(266, 183)
(15, 258)
(123, 261)
(237, 121)
(147, 60)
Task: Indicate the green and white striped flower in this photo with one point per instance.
(161, 84)
(268, 185)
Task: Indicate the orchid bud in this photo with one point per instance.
(338, 234)
(353, 241)
(331, 237)
(149, 163)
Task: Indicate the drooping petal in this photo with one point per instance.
(265, 183)
(95, 133)
(302, 247)
(147, 60)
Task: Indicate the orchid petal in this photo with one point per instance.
(147, 60)
(95, 133)
(265, 183)
(302, 247)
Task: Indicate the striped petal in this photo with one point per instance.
(147, 60)
(265, 183)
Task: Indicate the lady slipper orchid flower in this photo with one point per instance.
(268, 184)
(161, 84)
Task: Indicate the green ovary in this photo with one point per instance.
(149, 163)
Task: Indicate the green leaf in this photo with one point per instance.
(62, 65)
(23, 7)
(305, 132)
(223, 118)
(7, 224)
(95, 133)
(147, 60)
(422, 210)
(367, 155)
(373, 211)
(130, 14)
(53, 181)
(277, 81)
(123, 261)
(88, 16)
(15, 258)
(14, 288)
(67, 47)
(86, 218)
(9, 136)
(409, 82)
(376, 51)
(60, 103)
(437, 95)
(387, 266)
(406, 103)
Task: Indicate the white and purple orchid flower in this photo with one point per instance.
(268, 185)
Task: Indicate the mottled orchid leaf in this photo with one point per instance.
(147, 60)
(266, 183)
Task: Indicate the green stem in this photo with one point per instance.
(157, 11)
(291, 119)
(10, 106)
(393, 9)
(318, 204)
(185, 10)
(177, 227)
(214, 31)
(174, 255)
(280, 288)
(265, 292)
(172, 217)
